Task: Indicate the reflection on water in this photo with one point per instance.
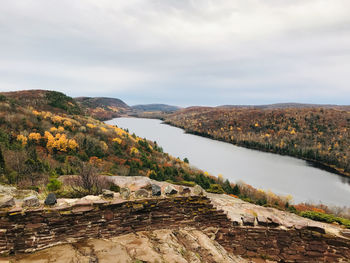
(280, 174)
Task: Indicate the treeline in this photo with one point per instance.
(316, 134)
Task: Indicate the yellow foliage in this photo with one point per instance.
(72, 144)
(104, 146)
(134, 150)
(256, 124)
(46, 115)
(34, 136)
(53, 129)
(119, 131)
(67, 123)
(103, 129)
(60, 129)
(23, 139)
(117, 140)
(59, 142)
(57, 119)
(90, 125)
(48, 135)
(36, 112)
(293, 132)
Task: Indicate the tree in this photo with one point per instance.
(236, 190)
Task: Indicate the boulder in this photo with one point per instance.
(197, 190)
(141, 193)
(170, 190)
(6, 201)
(185, 190)
(31, 201)
(107, 193)
(51, 199)
(156, 190)
(125, 193)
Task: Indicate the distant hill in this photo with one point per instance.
(156, 107)
(103, 108)
(43, 100)
(287, 105)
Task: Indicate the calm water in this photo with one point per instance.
(280, 174)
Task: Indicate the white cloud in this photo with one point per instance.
(124, 48)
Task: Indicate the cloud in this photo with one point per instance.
(179, 51)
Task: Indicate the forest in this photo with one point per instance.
(319, 135)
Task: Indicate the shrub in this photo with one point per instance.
(184, 183)
(54, 185)
(216, 189)
(114, 188)
(325, 218)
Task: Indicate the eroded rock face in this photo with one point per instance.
(125, 192)
(50, 199)
(183, 245)
(6, 201)
(31, 201)
(170, 190)
(156, 190)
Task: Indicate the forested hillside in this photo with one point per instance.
(103, 108)
(316, 134)
(43, 135)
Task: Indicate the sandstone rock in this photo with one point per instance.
(125, 192)
(7, 201)
(156, 190)
(31, 201)
(51, 199)
(248, 220)
(170, 190)
(7, 190)
(197, 190)
(141, 193)
(107, 193)
(345, 233)
(316, 228)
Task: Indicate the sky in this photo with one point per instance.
(194, 52)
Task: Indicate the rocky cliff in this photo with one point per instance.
(212, 228)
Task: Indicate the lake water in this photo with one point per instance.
(281, 174)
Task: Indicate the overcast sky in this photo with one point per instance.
(194, 52)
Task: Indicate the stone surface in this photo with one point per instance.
(31, 201)
(185, 245)
(6, 201)
(170, 190)
(156, 190)
(50, 199)
(141, 193)
(125, 192)
(197, 190)
(107, 193)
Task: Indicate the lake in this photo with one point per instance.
(282, 175)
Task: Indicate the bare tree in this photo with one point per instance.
(88, 181)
